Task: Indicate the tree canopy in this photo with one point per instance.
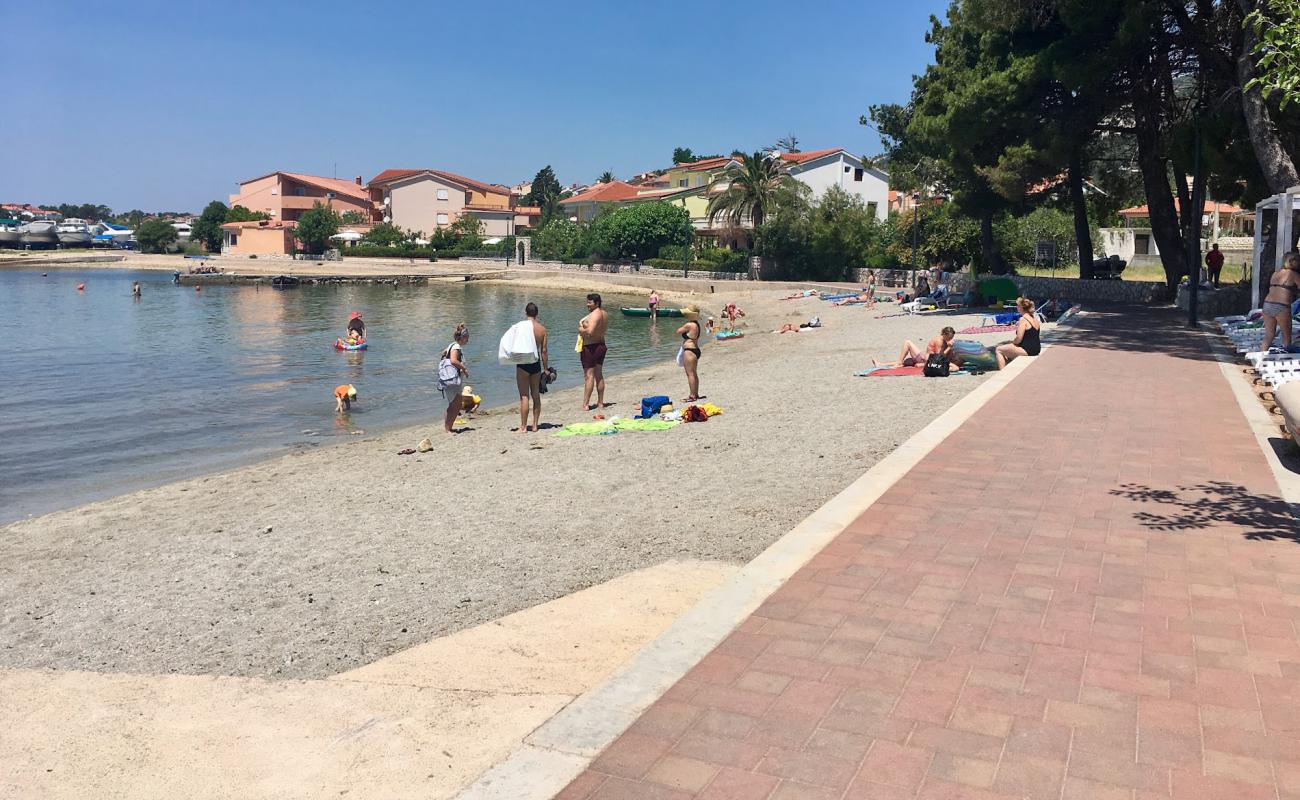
(639, 230)
(752, 191)
(156, 235)
(207, 228)
(315, 227)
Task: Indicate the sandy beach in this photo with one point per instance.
(289, 569)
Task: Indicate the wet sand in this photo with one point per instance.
(322, 561)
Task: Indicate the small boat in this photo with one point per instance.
(9, 235)
(284, 281)
(73, 233)
(339, 344)
(39, 233)
(645, 312)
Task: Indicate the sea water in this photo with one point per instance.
(104, 393)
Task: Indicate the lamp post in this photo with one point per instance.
(916, 234)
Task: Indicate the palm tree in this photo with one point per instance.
(753, 190)
(606, 177)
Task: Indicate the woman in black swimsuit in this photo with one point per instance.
(690, 355)
(1027, 341)
(1283, 287)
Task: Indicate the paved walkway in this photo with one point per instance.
(1090, 590)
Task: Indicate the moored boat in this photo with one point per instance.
(38, 233)
(9, 235)
(73, 233)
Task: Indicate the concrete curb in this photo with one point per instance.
(562, 747)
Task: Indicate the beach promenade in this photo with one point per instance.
(1091, 589)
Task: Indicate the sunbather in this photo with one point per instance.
(912, 354)
(867, 296)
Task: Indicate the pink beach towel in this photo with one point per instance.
(989, 329)
(886, 372)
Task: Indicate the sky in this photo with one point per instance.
(165, 107)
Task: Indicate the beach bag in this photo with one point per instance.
(518, 345)
(936, 366)
(651, 405)
(448, 375)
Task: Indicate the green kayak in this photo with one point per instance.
(645, 312)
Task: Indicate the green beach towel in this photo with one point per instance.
(598, 428)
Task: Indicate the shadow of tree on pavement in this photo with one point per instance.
(1261, 517)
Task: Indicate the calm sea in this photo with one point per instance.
(103, 393)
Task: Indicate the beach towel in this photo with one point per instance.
(614, 426)
(988, 329)
(889, 372)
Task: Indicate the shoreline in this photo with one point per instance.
(283, 569)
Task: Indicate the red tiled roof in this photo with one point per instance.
(706, 163)
(349, 188)
(1210, 208)
(390, 175)
(531, 211)
(799, 158)
(604, 193)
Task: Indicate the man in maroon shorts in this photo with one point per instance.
(592, 330)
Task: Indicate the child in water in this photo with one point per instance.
(344, 397)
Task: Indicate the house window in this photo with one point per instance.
(871, 209)
(442, 219)
(847, 168)
(300, 191)
(857, 174)
(442, 194)
(234, 239)
(683, 183)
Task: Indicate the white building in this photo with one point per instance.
(822, 169)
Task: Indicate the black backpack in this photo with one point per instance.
(936, 366)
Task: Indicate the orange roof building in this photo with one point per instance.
(285, 195)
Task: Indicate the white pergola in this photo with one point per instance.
(1285, 205)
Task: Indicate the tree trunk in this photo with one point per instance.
(1155, 181)
(1082, 233)
(989, 248)
(1278, 168)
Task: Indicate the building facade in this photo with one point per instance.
(425, 200)
(286, 195)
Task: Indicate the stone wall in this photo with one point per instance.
(1081, 291)
(611, 269)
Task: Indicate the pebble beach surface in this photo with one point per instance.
(324, 560)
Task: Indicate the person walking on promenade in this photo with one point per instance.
(591, 331)
(451, 375)
(1214, 263)
(528, 377)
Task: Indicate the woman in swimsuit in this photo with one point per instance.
(690, 332)
(1027, 341)
(1283, 287)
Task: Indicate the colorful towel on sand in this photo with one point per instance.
(988, 329)
(614, 426)
(893, 372)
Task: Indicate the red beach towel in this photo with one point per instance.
(888, 372)
(989, 329)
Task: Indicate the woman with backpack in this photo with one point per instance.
(452, 373)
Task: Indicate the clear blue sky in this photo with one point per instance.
(165, 106)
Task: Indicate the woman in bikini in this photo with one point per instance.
(1027, 341)
(912, 355)
(690, 356)
(1283, 287)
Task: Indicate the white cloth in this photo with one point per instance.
(519, 345)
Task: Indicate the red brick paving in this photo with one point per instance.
(1089, 590)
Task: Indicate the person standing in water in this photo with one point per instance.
(654, 304)
(357, 326)
(135, 289)
(591, 330)
(528, 377)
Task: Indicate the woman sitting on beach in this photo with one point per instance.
(1027, 342)
(912, 355)
(452, 373)
(689, 356)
